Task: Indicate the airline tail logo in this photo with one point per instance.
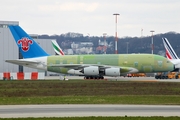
(170, 54)
(25, 43)
(57, 48)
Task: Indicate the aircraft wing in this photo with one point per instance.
(74, 66)
(101, 67)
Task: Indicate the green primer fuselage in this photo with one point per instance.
(147, 63)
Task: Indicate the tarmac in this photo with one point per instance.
(138, 79)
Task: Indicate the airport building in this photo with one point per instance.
(9, 49)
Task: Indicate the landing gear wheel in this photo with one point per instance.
(87, 77)
(101, 77)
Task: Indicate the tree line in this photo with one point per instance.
(126, 44)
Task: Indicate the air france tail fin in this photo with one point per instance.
(170, 54)
(27, 46)
(57, 48)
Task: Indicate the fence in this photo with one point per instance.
(22, 76)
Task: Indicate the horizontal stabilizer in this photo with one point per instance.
(22, 62)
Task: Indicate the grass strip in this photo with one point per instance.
(96, 118)
(130, 99)
(88, 92)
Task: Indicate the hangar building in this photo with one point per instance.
(9, 49)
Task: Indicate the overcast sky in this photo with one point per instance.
(93, 17)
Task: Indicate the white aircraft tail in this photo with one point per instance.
(170, 54)
(57, 48)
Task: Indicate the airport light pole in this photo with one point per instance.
(104, 34)
(116, 51)
(141, 35)
(141, 32)
(152, 45)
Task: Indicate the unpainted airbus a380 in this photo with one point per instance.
(94, 66)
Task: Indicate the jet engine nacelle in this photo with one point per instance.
(92, 70)
(74, 72)
(112, 71)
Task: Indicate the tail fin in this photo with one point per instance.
(57, 48)
(27, 46)
(170, 54)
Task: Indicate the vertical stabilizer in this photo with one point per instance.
(57, 48)
(27, 46)
(170, 54)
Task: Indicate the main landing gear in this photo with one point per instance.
(93, 77)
